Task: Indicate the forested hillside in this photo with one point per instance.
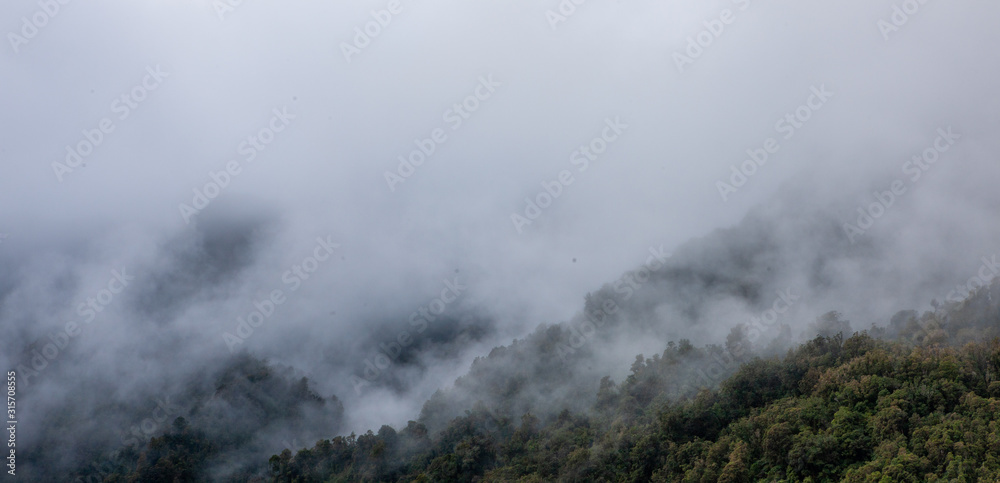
(210, 441)
(920, 407)
(915, 400)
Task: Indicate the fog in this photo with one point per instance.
(191, 159)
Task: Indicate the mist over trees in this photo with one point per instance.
(499, 241)
(780, 401)
(916, 400)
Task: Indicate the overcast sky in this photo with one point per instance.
(333, 109)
